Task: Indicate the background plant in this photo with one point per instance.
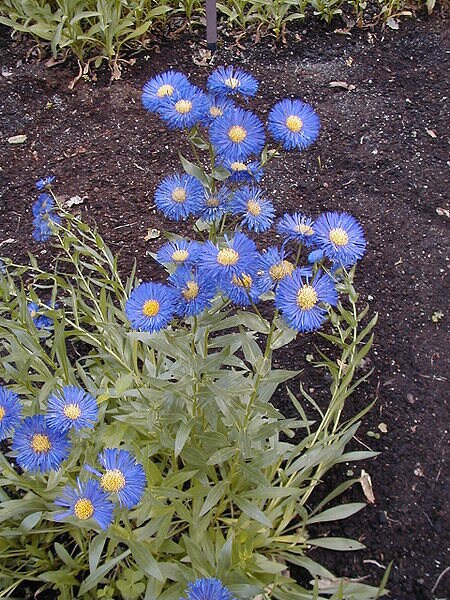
(231, 482)
(105, 30)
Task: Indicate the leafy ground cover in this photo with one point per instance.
(381, 156)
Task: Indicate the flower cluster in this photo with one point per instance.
(44, 212)
(41, 444)
(236, 269)
(231, 264)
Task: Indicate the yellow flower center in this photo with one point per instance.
(180, 255)
(243, 280)
(294, 123)
(338, 236)
(281, 270)
(179, 194)
(227, 256)
(254, 208)
(113, 480)
(190, 292)
(72, 411)
(212, 202)
(83, 509)
(33, 313)
(215, 111)
(304, 229)
(40, 443)
(307, 297)
(239, 166)
(151, 308)
(237, 134)
(183, 106)
(232, 82)
(2, 413)
(165, 90)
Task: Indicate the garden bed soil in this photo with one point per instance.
(382, 156)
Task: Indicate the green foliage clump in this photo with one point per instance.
(101, 30)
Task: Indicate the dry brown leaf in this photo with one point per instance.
(366, 484)
(443, 212)
(152, 234)
(17, 139)
(343, 85)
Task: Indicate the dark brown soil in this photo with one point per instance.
(382, 155)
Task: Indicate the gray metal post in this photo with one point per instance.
(211, 25)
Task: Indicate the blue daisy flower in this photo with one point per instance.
(237, 135)
(38, 447)
(43, 204)
(179, 196)
(232, 80)
(251, 202)
(217, 106)
(161, 87)
(294, 124)
(341, 237)
(315, 256)
(301, 299)
(40, 321)
(245, 288)
(249, 171)
(44, 182)
(44, 216)
(123, 476)
(207, 589)
(86, 501)
(273, 266)
(10, 412)
(234, 257)
(196, 291)
(71, 407)
(185, 108)
(179, 252)
(297, 227)
(215, 205)
(151, 306)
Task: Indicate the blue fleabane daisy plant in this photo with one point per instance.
(39, 448)
(195, 291)
(84, 502)
(232, 80)
(207, 589)
(178, 196)
(122, 476)
(256, 209)
(10, 412)
(340, 237)
(72, 407)
(151, 306)
(293, 124)
(185, 108)
(235, 256)
(303, 299)
(237, 135)
(162, 87)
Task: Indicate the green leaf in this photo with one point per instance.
(337, 513)
(96, 576)
(192, 169)
(214, 496)
(252, 511)
(336, 543)
(182, 436)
